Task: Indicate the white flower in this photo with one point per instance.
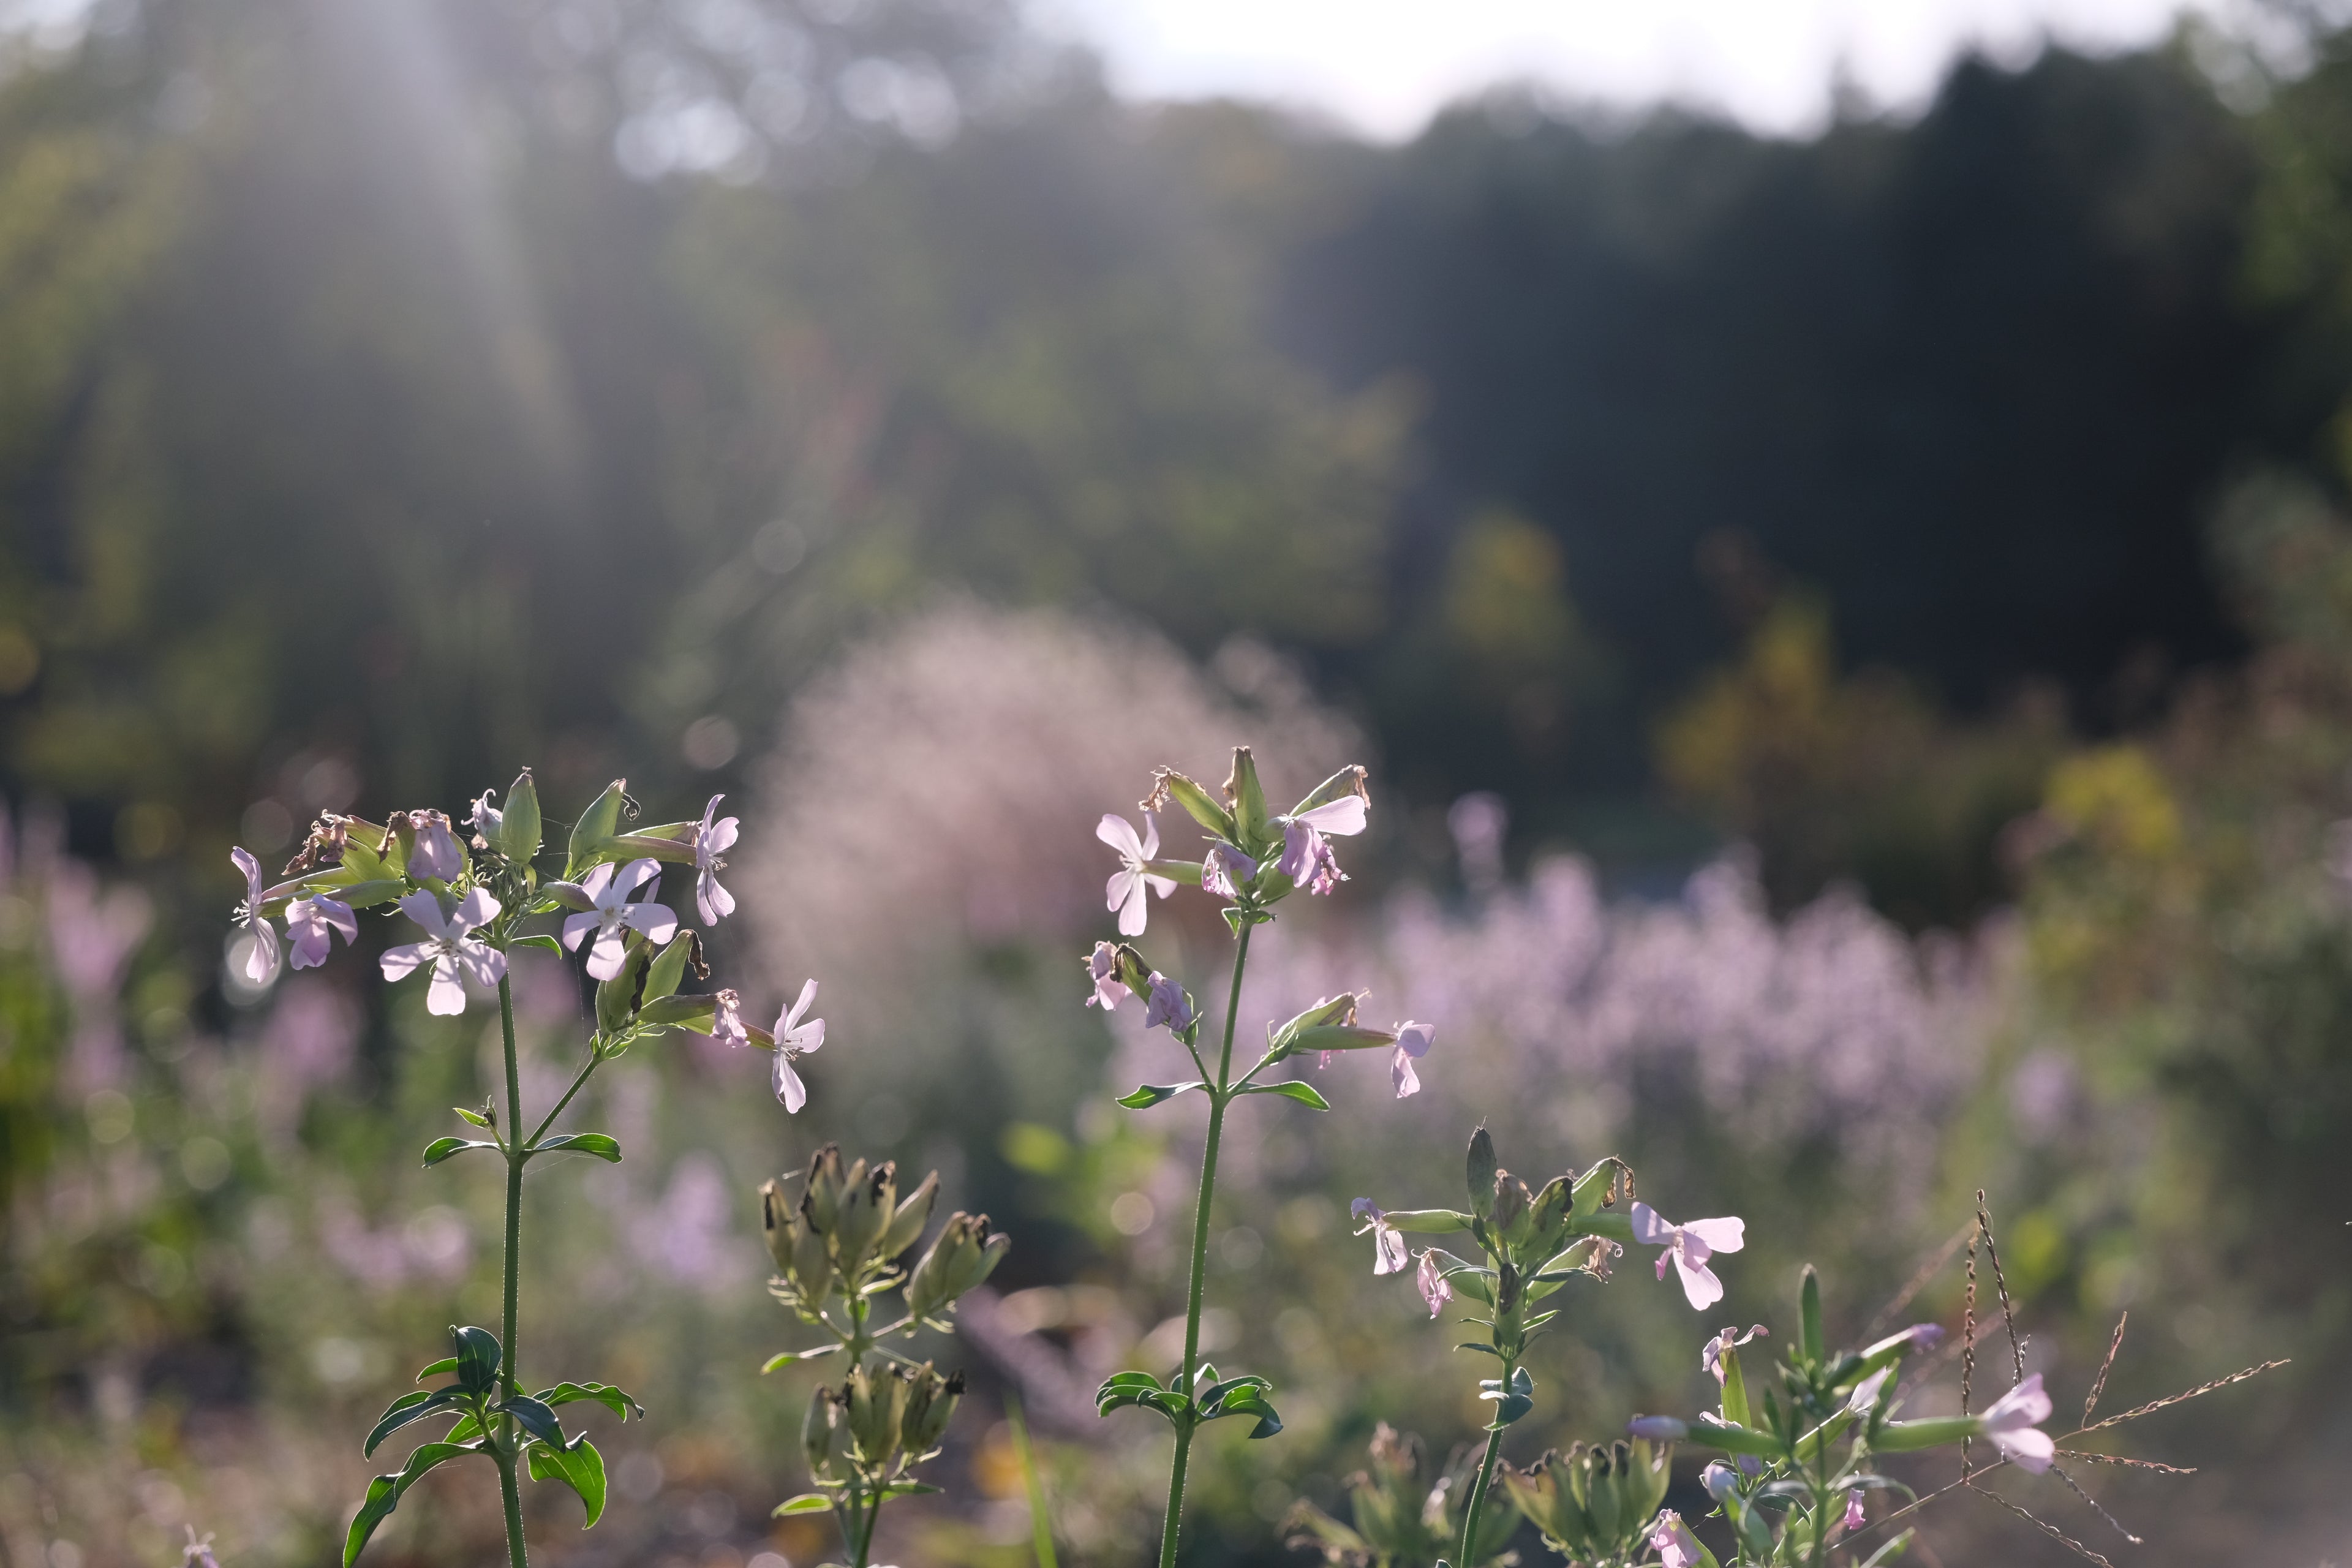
(614, 916)
(1688, 1247)
(712, 840)
(1388, 1253)
(1125, 889)
(261, 955)
(453, 948)
(795, 1039)
(2011, 1423)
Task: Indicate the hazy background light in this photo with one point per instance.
(1383, 66)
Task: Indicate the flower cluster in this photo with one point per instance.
(837, 1234)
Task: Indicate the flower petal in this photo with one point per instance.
(261, 954)
(2027, 1449)
(1726, 1234)
(1119, 834)
(656, 921)
(475, 909)
(447, 994)
(485, 965)
(1135, 912)
(425, 909)
(1344, 816)
(611, 948)
(1699, 1283)
(1650, 1228)
(1401, 1073)
(400, 963)
(790, 1090)
(633, 875)
(243, 861)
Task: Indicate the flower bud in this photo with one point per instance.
(1245, 799)
(779, 1221)
(616, 998)
(1594, 1191)
(1511, 1205)
(518, 824)
(962, 1256)
(1167, 784)
(812, 1262)
(1482, 1173)
(669, 968)
(826, 1180)
(824, 1435)
(878, 1407)
(867, 1206)
(906, 1226)
(1547, 1218)
(931, 1402)
(596, 824)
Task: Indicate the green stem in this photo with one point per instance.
(515, 1159)
(512, 1495)
(1219, 1096)
(1485, 1475)
(579, 1082)
(866, 1539)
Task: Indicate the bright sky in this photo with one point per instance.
(1383, 65)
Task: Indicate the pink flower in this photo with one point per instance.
(485, 818)
(1671, 1538)
(795, 1039)
(1102, 968)
(2011, 1423)
(1168, 1005)
(1414, 1041)
(712, 840)
(1306, 858)
(452, 948)
(1431, 1281)
(261, 955)
(1711, 1358)
(1854, 1518)
(1865, 1397)
(1388, 1248)
(727, 1020)
(436, 854)
(1688, 1247)
(614, 916)
(310, 926)
(1226, 871)
(1125, 889)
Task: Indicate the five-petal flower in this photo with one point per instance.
(261, 954)
(1306, 858)
(2012, 1422)
(310, 926)
(712, 840)
(1125, 890)
(614, 916)
(1430, 1279)
(1389, 1251)
(452, 948)
(1688, 1247)
(795, 1039)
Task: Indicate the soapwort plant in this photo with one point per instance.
(1397, 1519)
(837, 1235)
(470, 901)
(1255, 858)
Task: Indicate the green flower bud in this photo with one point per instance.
(1482, 1173)
(820, 1432)
(867, 1206)
(779, 1221)
(1245, 799)
(826, 1181)
(669, 968)
(616, 998)
(598, 823)
(812, 1262)
(1548, 1219)
(1167, 784)
(962, 1256)
(877, 1408)
(931, 1401)
(519, 825)
(1512, 1202)
(906, 1226)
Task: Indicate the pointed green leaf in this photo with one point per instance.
(1303, 1093)
(477, 1358)
(475, 1116)
(383, 1493)
(1151, 1094)
(597, 1143)
(441, 1149)
(579, 1467)
(447, 1363)
(603, 1393)
(543, 939)
(535, 1418)
(807, 1502)
(408, 1407)
(786, 1358)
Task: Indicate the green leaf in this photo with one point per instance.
(408, 1407)
(475, 1116)
(579, 1467)
(1212, 1398)
(603, 1393)
(535, 1418)
(1485, 1350)
(906, 1488)
(1251, 1402)
(1303, 1093)
(383, 1493)
(477, 1358)
(543, 939)
(1151, 1094)
(441, 1149)
(447, 1363)
(807, 1502)
(786, 1358)
(597, 1143)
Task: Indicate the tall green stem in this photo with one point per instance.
(1219, 1096)
(515, 1555)
(1485, 1476)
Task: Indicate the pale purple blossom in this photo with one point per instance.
(1688, 1247)
(485, 818)
(1671, 1538)
(1855, 1517)
(616, 915)
(712, 840)
(1711, 1357)
(1102, 968)
(261, 954)
(1125, 890)
(727, 1019)
(1306, 858)
(436, 854)
(1429, 1279)
(1414, 1041)
(198, 1553)
(1226, 871)
(1719, 1480)
(452, 951)
(1389, 1252)
(2011, 1422)
(1865, 1397)
(310, 925)
(1168, 1005)
(795, 1039)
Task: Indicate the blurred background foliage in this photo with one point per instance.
(1898, 581)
